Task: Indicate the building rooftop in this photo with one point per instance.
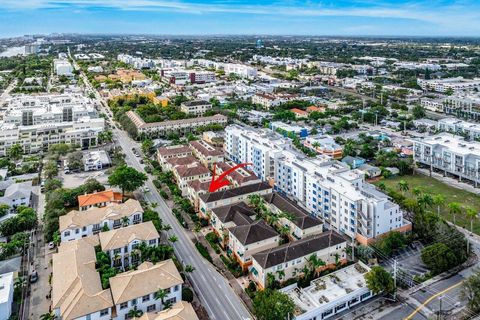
(235, 192)
(254, 232)
(99, 197)
(328, 288)
(297, 249)
(174, 150)
(137, 283)
(191, 170)
(239, 213)
(6, 285)
(179, 311)
(205, 148)
(119, 238)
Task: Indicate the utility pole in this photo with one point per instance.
(440, 309)
(395, 279)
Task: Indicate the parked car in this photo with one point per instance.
(33, 276)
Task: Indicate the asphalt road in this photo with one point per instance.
(213, 289)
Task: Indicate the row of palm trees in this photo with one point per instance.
(426, 200)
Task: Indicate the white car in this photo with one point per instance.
(146, 189)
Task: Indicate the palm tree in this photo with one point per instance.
(439, 200)
(454, 208)
(166, 227)
(284, 230)
(125, 221)
(314, 263)
(471, 214)
(425, 200)
(270, 280)
(135, 313)
(281, 274)
(48, 316)
(287, 215)
(173, 239)
(403, 186)
(189, 268)
(417, 191)
(161, 294)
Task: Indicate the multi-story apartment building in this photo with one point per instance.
(435, 105)
(120, 244)
(449, 84)
(241, 70)
(449, 154)
(288, 260)
(464, 106)
(169, 152)
(201, 77)
(36, 122)
(160, 129)
(196, 107)
(137, 288)
(328, 189)
(62, 67)
(459, 127)
(79, 224)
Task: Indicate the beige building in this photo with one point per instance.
(165, 153)
(206, 153)
(186, 173)
(288, 260)
(180, 311)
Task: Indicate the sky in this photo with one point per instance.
(252, 17)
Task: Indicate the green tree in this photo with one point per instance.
(134, 313)
(273, 305)
(403, 186)
(15, 152)
(439, 201)
(471, 214)
(454, 208)
(48, 316)
(471, 291)
(439, 257)
(189, 268)
(127, 178)
(418, 112)
(379, 280)
(53, 184)
(147, 146)
(4, 209)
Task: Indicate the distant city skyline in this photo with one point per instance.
(202, 17)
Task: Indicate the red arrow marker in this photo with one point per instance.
(220, 182)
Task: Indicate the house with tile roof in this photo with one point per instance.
(98, 199)
(240, 177)
(137, 288)
(184, 174)
(169, 152)
(79, 224)
(288, 260)
(299, 114)
(120, 244)
(206, 153)
(179, 311)
(246, 240)
(229, 216)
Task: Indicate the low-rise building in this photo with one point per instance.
(196, 107)
(120, 244)
(96, 160)
(169, 152)
(17, 194)
(288, 260)
(324, 145)
(186, 173)
(229, 216)
(206, 153)
(212, 200)
(98, 199)
(6, 295)
(179, 311)
(137, 288)
(299, 114)
(239, 177)
(331, 294)
(459, 127)
(449, 84)
(62, 67)
(79, 224)
(248, 239)
(289, 130)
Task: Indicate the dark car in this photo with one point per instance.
(34, 276)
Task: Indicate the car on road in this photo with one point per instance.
(51, 245)
(146, 189)
(33, 276)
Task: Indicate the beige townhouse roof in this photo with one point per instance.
(119, 238)
(76, 286)
(114, 211)
(179, 311)
(147, 279)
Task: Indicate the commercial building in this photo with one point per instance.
(98, 199)
(459, 127)
(240, 70)
(96, 160)
(6, 295)
(196, 107)
(289, 130)
(449, 84)
(36, 122)
(449, 154)
(288, 260)
(201, 77)
(62, 67)
(183, 126)
(331, 294)
(325, 145)
(80, 224)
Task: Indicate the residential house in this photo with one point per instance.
(98, 199)
(18, 194)
(353, 162)
(229, 216)
(186, 173)
(179, 311)
(169, 152)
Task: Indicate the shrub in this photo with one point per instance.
(187, 294)
(203, 251)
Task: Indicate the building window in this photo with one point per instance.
(152, 242)
(151, 308)
(134, 302)
(67, 233)
(103, 312)
(123, 305)
(146, 298)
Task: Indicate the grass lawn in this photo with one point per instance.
(451, 194)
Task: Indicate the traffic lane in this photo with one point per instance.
(403, 312)
(451, 298)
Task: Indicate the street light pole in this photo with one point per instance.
(440, 309)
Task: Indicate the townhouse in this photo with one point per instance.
(288, 260)
(248, 239)
(463, 105)
(449, 154)
(138, 288)
(229, 216)
(212, 200)
(186, 173)
(206, 153)
(172, 163)
(301, 224)
(179, 311)
(169, 152)
(164, 128)
(98, 199)
(121, 244)
(79, 224)
(240, 177)
(459, 127)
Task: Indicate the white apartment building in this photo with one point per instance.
(62, 67)
(435, 105)
(463, 105)
(120, 244)
(459, 127)
(196, 107)
(450, 154)
(137, 288)
(240, 70)
(36, 122)
(80, 224)
(6, 295)
(444, 85)
(201, 77)
(136, 62)
(328, 189)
